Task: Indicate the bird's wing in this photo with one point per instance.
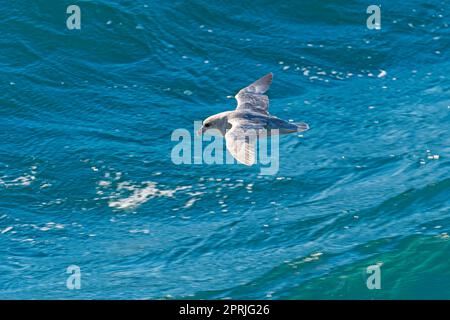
(251, 98)
(241, 140)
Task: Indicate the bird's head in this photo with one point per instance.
(218, 122)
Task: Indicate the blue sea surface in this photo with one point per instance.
(87, 179)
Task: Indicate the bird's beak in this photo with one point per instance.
(200, 131)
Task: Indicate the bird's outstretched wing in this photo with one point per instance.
(241, 140)
(252, 99)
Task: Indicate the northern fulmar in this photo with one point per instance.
(249, 121)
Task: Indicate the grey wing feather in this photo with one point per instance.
(252, 99)
(241, 140)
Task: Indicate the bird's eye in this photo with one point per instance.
(207, 125)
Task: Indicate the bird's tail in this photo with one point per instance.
(302, 126)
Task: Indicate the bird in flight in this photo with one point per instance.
(250, 120)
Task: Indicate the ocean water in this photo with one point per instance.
(86, 176)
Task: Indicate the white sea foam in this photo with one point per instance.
(144, 231)
(6, 230)
(50, 226)
(382, 74)
(138, 194)
(23, 181)
(192, 200)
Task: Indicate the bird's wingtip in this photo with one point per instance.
(267, 78)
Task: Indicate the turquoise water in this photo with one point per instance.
(86, 176)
